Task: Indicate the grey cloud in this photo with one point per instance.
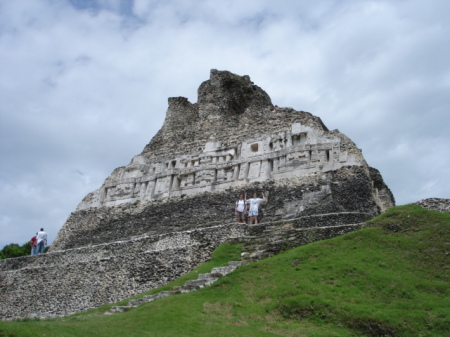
(84, 86)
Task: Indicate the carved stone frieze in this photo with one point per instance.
(232, 140)
(295, 151)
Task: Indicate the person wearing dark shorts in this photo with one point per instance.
(240, 208)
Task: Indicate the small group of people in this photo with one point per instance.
(38, 242)
(249, 207)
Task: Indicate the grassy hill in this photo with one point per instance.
(391, 279)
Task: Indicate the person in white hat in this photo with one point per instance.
(41, 241)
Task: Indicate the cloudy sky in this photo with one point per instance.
(84, 86)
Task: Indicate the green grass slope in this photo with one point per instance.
(391, 279)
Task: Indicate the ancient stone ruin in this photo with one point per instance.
(161, 215)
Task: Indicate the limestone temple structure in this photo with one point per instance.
(164, 213)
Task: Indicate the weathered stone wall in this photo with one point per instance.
(74, 280)
(231, 137)
(435, 204)
(349, 189)
(232, 140)
(65, 282)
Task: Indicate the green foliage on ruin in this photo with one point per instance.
(390, 279)
(15, 250)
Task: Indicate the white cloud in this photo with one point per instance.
(85, 83)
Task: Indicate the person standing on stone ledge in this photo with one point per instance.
(33, 243)
(240, 209)
(41, 241)
(254, 204)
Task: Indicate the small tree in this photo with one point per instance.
(14, 250)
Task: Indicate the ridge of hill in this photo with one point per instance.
(389, 279)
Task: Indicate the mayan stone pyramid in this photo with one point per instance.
(232, 140)
(164, 213)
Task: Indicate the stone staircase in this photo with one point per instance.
(277, 238)
(269, 241)
(203, 280)
(263, 240)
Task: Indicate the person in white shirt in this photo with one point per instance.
(240, 208)
(253, 204)
(41, 241)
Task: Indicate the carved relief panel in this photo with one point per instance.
(149, 189)
(296, 159)
(266, 168)
(187, 180)
(162, 185)
(343, 156)
(205, 177)
(243, 171)
(254, 170)
(120, 191)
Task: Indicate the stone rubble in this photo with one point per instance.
(203, 280)
(435, 204)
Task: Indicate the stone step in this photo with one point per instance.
(270, 229)
(120, 308)
(156, 296)
(209, 278)
(184, 289)
(149, 298)
(223, 270)
(256, 255)
(197, 284)
(242, 239)
(259, 255)
(262, 247)
(237, 263)
(206, 276)
(203, 280)
(257, 252)
(137, 302)
(258, 248)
